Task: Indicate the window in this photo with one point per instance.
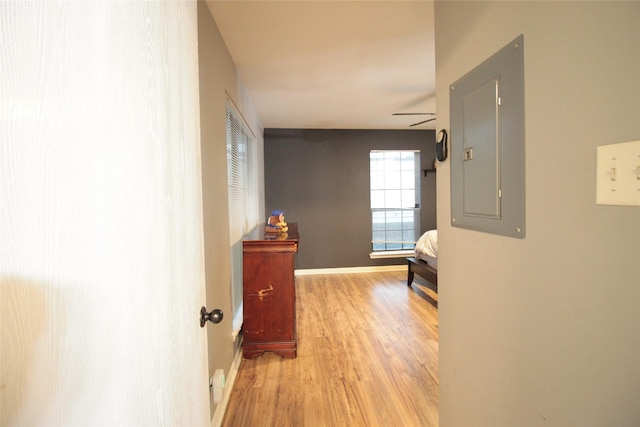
(395, 199)
(243, 198)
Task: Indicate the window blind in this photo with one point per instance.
(242, 195)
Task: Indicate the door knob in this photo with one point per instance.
(214, 317)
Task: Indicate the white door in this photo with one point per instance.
(101, 268)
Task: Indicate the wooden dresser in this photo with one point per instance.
(268, 264)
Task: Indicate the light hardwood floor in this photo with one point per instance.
(367, 356)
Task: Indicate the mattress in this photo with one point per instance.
(427, 248)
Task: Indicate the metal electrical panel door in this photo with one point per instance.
(480, 155)
(487, 145)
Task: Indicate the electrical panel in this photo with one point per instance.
(487, 145)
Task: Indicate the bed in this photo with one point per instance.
(425, 261)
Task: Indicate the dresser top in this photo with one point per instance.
(258, 237)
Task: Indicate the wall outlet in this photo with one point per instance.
(216, 384)
(618, 174)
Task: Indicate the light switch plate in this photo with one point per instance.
(618, 174)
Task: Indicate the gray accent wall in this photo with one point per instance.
(320, 178)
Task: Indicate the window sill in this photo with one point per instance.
(391, 254)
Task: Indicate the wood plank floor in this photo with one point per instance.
(367, 356)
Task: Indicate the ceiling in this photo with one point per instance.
(333, 64)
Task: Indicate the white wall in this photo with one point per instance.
(546, 330)
(218, 77)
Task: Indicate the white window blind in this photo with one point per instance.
(243, 197)
(395, 199)
(241, 176)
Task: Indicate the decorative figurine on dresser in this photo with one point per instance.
(269, 297)
(275, 223)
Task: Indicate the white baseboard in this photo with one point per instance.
(218, 415)
(346, 270)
